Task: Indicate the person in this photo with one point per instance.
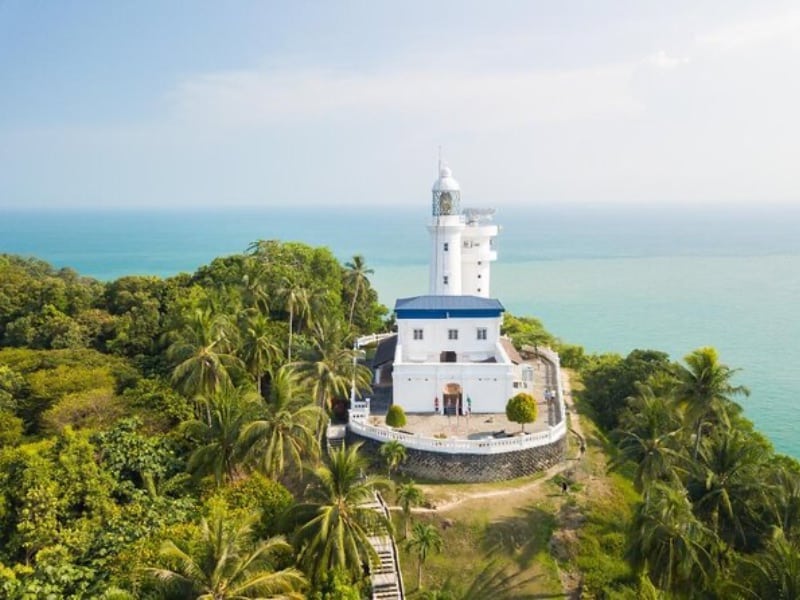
(564, 487)
(583, 448)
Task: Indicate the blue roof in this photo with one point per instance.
(444, 307)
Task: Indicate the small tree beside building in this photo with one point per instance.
(521, 409)
(396, 416)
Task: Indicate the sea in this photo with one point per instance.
(610, 278)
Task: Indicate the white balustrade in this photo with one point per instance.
(488, 445)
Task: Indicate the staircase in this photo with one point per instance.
(385, 576)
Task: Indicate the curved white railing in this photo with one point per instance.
(372, 338)
(488, 445)
(359, 416)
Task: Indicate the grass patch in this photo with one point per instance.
(511, 531)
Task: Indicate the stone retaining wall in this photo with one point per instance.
(470, 468)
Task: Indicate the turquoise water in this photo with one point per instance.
(607, 278)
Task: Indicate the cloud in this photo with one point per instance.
(753, 32)
(663, 61)
(462, 99)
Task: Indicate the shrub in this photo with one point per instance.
(396, 416)
(521, 409)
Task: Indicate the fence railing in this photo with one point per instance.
(372, 338)
(359, 424)
(487, 445)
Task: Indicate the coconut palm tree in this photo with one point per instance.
(329, 368)
(336, 523)
(772, 573)
(495, 580)
(425, 539)
(284, 430)
(297, 300)
(647, 436)
(783, 487)
(667, 542)
(218, 453)
(259, 353)
(356, 275)
(498, 582)
(727, 487)
(255, 293)
(226, 563)
(393, 453)
(408, 495)
(705, 392)
(202, 354)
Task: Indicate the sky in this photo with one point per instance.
(154, 104)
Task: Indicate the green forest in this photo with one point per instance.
(164, 438)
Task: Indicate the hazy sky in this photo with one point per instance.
(266, 103)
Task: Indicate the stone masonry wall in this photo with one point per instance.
(470, 468)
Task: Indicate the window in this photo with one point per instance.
(418, 334)
(445, 279)
(481, 333)
(452, 334)
(446, 246)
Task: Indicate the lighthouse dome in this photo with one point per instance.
(446, 183)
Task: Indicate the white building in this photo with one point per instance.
(449, 355)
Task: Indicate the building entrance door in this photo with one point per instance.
(452, 399)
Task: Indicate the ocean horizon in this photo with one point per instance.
(611, 278)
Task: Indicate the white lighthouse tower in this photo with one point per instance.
(448, 355)
(462, 243)
(477, 251)
(445, 229)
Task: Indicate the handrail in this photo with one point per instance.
(395, 553)
(373, 337)
(487, 445)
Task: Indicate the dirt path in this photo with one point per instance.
(568, 515)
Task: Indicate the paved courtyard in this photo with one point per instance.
(478, 426)
(475, 426)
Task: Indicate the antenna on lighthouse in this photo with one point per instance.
(440, 158)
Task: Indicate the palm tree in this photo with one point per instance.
(225, 563)
(667, 542)
(229, 410)
(329, 368)
(783, 486)
(647, 437)
(296, 298)
(259, 352)
(425, 539)
(497, 582)
(284, 432)
(356, 275)
(254, 289)
(408, 495)
(727, 488)
(705, 391)
(394, 453)
(202, 354)
(774, 572)
(336, 523)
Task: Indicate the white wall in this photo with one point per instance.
(489, 386)
(435, 338)
(445, 263)
(477, 254)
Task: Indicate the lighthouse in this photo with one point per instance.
(448, 355)
(462, 242)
